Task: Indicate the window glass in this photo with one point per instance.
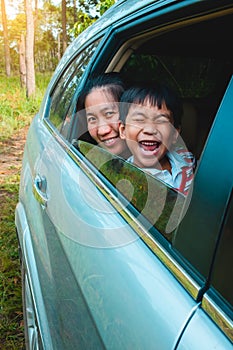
(153, 202)
(63, 93)
(222, 277)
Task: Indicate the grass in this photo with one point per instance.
(11, 318)
(15, 112)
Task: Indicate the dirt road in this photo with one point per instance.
(11, 152)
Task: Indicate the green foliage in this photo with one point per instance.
(16, 27)
(84, 21)
(104, 5)
(11, 325)
(89, 12)
(16, 111)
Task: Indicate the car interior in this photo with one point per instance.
(194, 61)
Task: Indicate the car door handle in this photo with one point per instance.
(39, 190)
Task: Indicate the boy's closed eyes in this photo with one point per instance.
(140, 116)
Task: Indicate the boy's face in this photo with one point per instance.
(102, 113)
(149, 134)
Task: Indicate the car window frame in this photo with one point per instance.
(214, 302)
(71, 76)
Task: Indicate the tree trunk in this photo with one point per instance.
(30, 75)
(22, 63)
(75, 11)
(5, 38)
(64, 34)
(58, 46)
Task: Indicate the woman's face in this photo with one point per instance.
(102, 113)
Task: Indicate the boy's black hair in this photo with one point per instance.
(156, 94)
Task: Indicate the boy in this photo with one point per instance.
(150, 124)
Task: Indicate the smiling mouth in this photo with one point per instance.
(109, 142)
(150, 146)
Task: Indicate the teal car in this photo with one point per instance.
(113, 258)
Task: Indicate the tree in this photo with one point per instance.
(89, 11)
(64, 33)
(75, 11)
(16, 28)
(5, 38)
(47, 37)
(104, 5)
(22, 62)
(30, 69)
(51, 32)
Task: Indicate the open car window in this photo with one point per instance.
(200, 81)
(196, 61)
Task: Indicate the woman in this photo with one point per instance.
(99, 102)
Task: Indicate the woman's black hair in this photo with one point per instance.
(111, 81)
(156, 94)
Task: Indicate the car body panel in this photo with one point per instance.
(209, 335)
(31, 267)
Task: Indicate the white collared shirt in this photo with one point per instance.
(182, 168)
